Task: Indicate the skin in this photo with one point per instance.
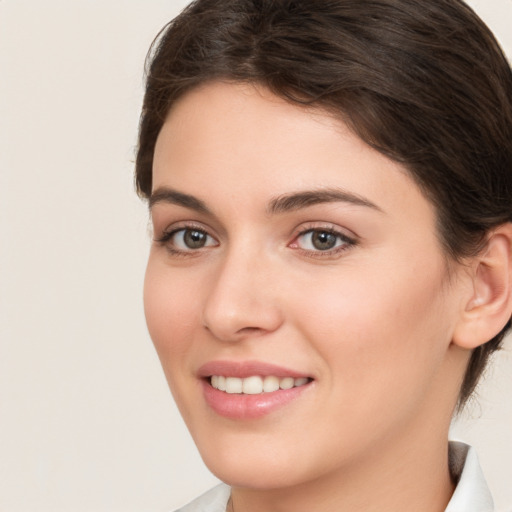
(372, 322)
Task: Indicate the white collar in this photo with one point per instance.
(471, 493)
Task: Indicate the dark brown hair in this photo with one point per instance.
(423, 82)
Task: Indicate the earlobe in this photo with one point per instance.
(489, 306)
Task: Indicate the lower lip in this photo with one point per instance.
(243, 407)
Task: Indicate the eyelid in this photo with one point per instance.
(325, 226)
(185, 224)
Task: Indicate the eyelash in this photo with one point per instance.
(167, 236)
(346, 241)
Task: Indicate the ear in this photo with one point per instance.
(488, 306)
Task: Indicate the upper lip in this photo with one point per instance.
(243, 369)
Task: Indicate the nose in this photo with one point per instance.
(242, 301)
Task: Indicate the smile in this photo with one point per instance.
(248, 390)
(255, 384)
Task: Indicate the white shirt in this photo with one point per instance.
(471, 493)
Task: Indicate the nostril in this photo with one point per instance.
(235, 335)
(249, 330)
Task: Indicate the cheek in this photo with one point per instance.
(379, 331)
(172, 316)
(169, 311)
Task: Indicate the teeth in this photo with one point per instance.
(221, 383)
(270, 384)
(233, 385)
(255, 385)
(286, 383)
(252, 385)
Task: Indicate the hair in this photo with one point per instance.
(423, 82)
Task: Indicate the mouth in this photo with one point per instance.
(249, 390)
(255, 384)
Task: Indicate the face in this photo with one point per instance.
(296, 291)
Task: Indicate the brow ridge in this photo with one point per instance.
(281, 204)
(303, 199)
(171, 196)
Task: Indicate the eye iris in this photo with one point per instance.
(323, 240)
(194, 239)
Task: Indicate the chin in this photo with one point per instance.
(256, 465)
(268, 475)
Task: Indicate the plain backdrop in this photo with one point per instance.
(86, 420)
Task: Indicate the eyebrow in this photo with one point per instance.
(171, 196)
(282, 204)
(298, 200)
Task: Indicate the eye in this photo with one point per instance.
(187, 240)
(322, 240)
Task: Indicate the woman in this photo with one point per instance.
(330, 189)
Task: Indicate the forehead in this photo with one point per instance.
(239, 144)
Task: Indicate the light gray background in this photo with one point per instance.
(86, 420)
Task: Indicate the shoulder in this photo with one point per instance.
(214, 500)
